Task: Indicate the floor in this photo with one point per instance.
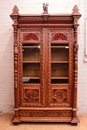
(5, 124)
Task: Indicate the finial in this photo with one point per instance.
(75, 10)
(45, 8)
(15, 10)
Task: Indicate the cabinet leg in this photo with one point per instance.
(15, 120)
(74, 121)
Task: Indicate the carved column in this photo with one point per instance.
(14, 16)
(76, 16)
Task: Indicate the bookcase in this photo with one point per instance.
(45, 66)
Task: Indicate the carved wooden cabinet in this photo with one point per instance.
(45, 66)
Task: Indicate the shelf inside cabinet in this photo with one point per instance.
(59, 54)
(59, 70)
(31, 79)
(31, 54)
(31, 61)
(59, 61)
(65, 47)
(31, 46)
(59, 77)
(31, 70)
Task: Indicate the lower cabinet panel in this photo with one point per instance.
(45, 119)
(40, 113)
(45, 116)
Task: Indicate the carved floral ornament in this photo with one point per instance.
(30, 36)
(59, 36)
(31, 95)
(59, 95)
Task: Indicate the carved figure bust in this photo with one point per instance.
(45, 8)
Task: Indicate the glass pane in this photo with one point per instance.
(31, 53)
(59, 70)
(59, 54)
(59, 63)
(31, 63)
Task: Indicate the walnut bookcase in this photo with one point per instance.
(45, 66)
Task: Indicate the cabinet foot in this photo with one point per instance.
(15, 120)
(74, 121)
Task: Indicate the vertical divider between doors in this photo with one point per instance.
(48, 67)
(45, 69)
(44, 66)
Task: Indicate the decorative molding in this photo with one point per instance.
(59, 36)
(30, 37)
(75, 58)
(15, 57)
(41, 113)
(56, 119)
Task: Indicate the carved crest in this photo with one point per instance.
(45, 8)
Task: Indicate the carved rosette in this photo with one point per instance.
(31, 95)
(31, 37)
(59, 95)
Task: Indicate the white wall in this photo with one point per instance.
(6, 46)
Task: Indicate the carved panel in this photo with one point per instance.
(49, 113)
(59, 113)
(32, 113)
(59, 36)
(59, 95)
(31, 95)
(31, 37)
